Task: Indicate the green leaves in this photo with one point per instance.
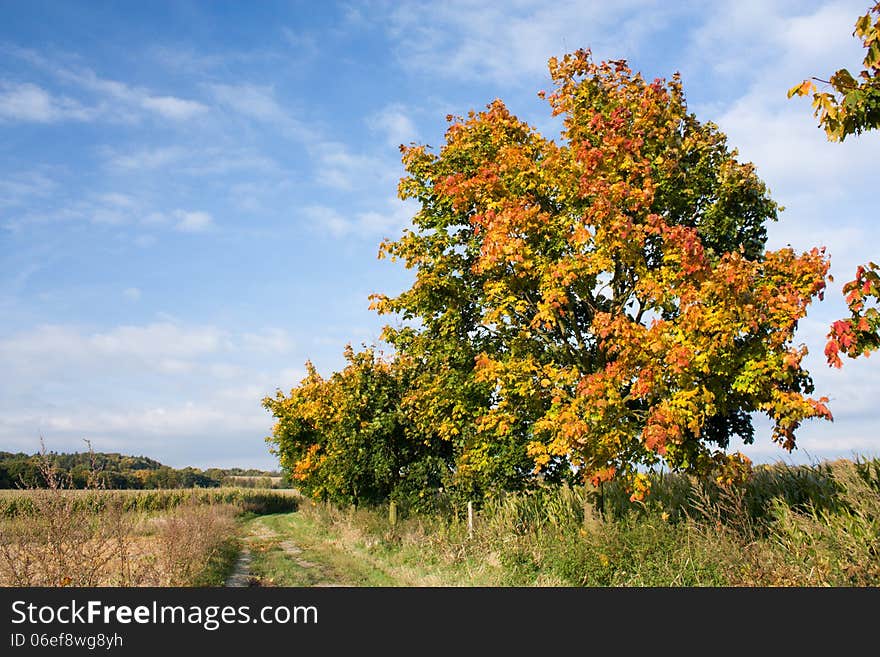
(612, 302)
(348, 439)
(852, 106)
(584, 307)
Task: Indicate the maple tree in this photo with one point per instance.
(853, 103)
(603, 302)
(581, 308)
(347, 439)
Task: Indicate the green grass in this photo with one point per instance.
(219, 567)
(353, 548)
(292, 550)
(790, 526)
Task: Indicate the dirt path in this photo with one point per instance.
(262, 538)
(294, 549)
(241, 574)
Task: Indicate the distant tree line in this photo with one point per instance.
(119, 471)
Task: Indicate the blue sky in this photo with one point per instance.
(192, 194)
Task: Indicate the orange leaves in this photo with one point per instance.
(608, 294)
(679, 358)
(603, 474)
(859, 334)
(641, 486)
(842, 331)
(805, 88)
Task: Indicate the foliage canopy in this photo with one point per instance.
(581, 308)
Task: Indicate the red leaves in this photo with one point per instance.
(860, 333)
(842, 330)
(832, 349)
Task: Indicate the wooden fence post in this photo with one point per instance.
(470, 519)
(392, 514)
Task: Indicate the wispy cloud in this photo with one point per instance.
(183, 383)
(259, 103)
(508, 43)
(132, 293)
(193, 222)
(395, 123)
(144, 159)
(110, 99)
(23, 187)
(268, 341)
(338, 167)
(52, 348)
(30, 103)
(173, 108)
(387, 222)
(163, 346)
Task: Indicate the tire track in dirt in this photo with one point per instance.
(259, 536)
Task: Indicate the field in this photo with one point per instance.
(63, 537)
(813, 525)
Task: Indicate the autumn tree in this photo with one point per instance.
(604, 301)
(347, 439)
(851, 104)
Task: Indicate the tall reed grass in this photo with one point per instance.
(790, 525)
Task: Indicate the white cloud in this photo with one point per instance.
(201, 161)
(23, 187)
(117, 199)
(260, 104)
(145, 159)
(373, 223)
(30, 103)
(62, 350)
(193, 222)
(174, 108)
(155, 219)
(289, 377)
(270, 341)
(169, 107)
(144, 241)
(511, 42)
(396, 124)
(326, 219)
(156, 386)
(179, 420)
(337, 167)
(114, 100)
(132, 293)
(250, 100)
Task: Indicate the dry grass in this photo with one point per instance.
(57, 540)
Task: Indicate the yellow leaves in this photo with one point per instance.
(852, 105)
(733, 469)
(804, 88)
(379, 303)
(641, 486)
